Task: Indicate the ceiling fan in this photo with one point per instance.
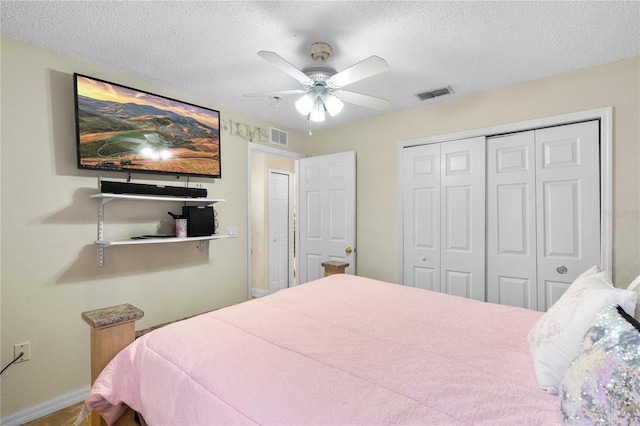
(322, 86)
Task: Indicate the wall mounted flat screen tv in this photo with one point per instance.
(128, 130)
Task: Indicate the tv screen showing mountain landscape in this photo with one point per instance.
(124, 129)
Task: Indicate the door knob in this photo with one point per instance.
(348, 250)
(424, 258)
(561, 269)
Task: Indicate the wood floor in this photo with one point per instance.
(64, 417)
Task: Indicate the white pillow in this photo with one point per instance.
(555, 339)
(635, 286)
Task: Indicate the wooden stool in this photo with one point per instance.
(112, 329)
(334, 267)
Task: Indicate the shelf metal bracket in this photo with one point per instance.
(101, 204)
(100, 255)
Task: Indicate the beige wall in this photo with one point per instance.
(49, 262)
(376, 143)
(260, 164)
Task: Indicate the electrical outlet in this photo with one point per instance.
(25, 348)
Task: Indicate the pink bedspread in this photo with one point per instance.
(340, 350)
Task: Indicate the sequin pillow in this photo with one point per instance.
(602, 385)
(555, 339)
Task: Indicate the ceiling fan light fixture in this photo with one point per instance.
(333, 105)
(304, 105)
(317, 112)
(321, 81)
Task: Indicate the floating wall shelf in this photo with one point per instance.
(104, 198)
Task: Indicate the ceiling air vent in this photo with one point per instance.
(279, 137)
(434, 93)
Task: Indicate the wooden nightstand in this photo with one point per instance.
(334, 267)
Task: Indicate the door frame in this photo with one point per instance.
(604, 115)
(255, 147)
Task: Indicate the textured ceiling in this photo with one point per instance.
(207, 49)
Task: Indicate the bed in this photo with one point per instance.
(339, 350)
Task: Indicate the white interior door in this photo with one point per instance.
(421, 211)
(543, 213)
(443, 217)
(568, 206)
(327, 213)
(462, 223)
(511, 220)
(279, 223)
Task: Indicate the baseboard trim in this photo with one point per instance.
(45, 408)
(258, 293)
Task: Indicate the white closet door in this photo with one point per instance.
(279, 238)
(462, 223)
(421, 211)
(568, 206)
(511, 220)
(543, 213)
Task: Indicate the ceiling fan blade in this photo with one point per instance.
(366, 68)
(362, 100)
(285, 66)
(278, 93)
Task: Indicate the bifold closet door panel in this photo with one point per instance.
(462, 221)
(543, 213)
(568, 206)
(511, 220)
(421, 216)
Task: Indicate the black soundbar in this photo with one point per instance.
(109, 187)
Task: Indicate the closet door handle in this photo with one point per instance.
(561, 269)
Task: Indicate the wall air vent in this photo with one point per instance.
(434, 93)
(279, 137)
